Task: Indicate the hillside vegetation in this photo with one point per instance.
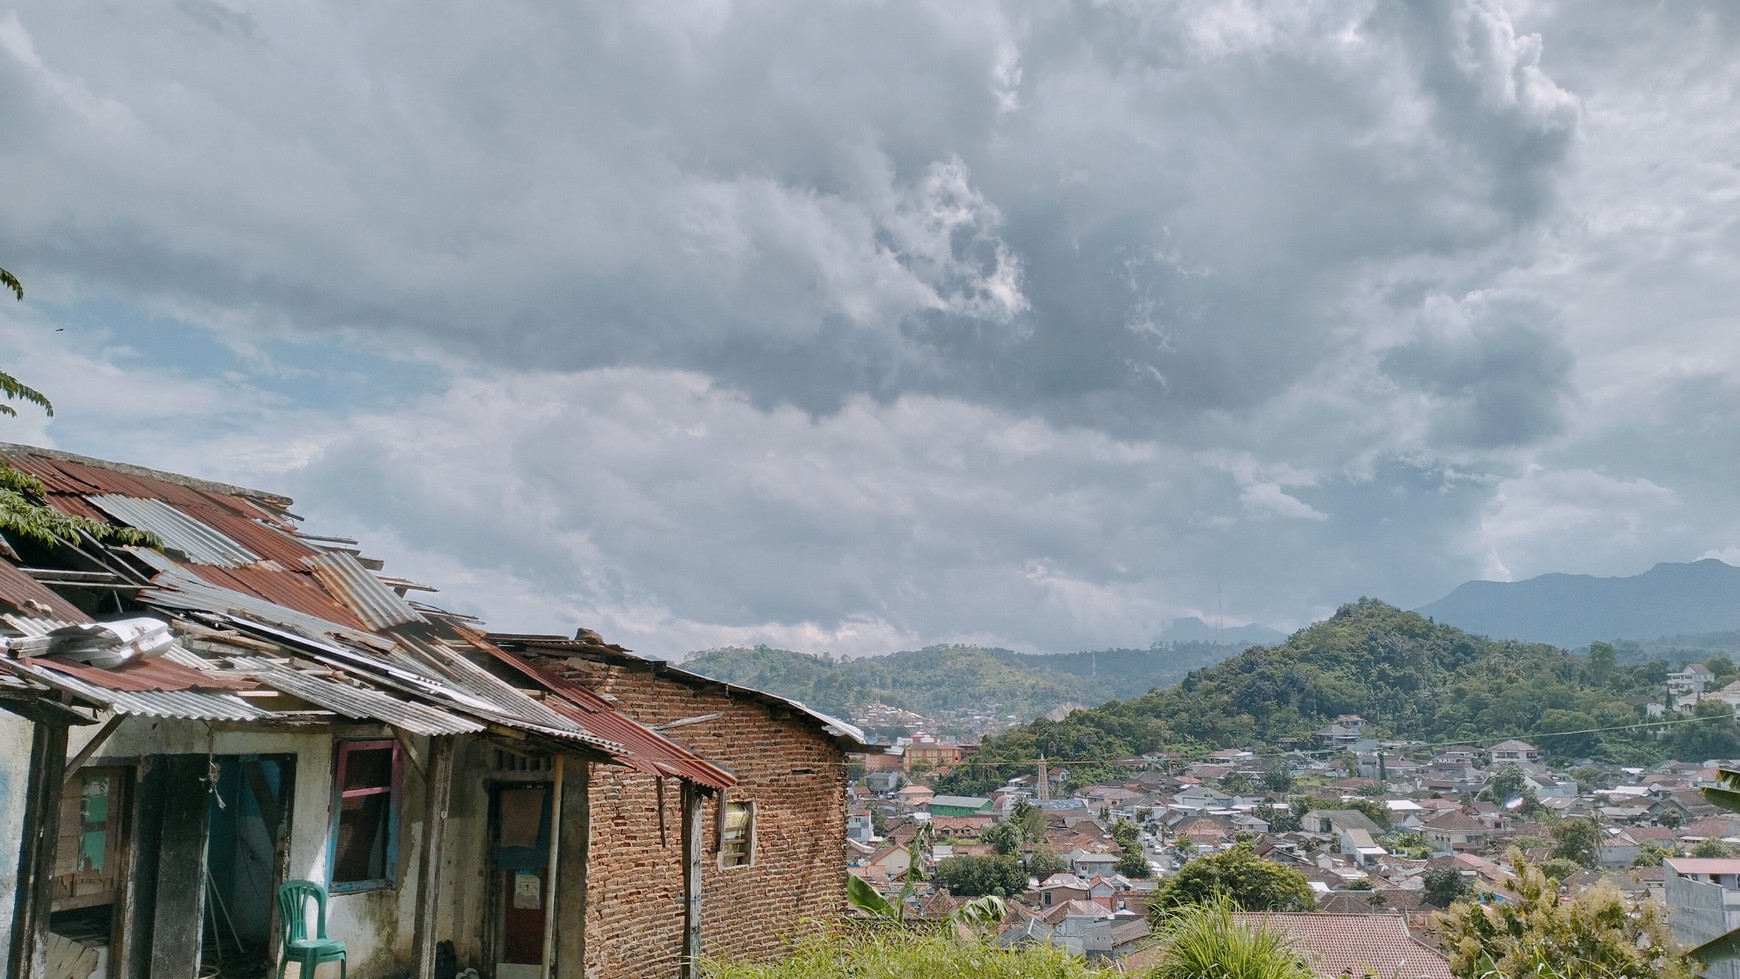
(1409, 677)
(941, 679)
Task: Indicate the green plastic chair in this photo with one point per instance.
(299, 947)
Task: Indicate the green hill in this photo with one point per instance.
(1410, 678)
(947, 679)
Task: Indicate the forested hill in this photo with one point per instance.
(1409, 677)
(939, 679)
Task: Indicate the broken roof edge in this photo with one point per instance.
(276, 500)
(847, 736)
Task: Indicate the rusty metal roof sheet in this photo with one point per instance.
(179, 704)
(160, 675)
(849, 737)
(64, 472)
(294, 589)
(652, 752)
(358, 701)
(178, 531)
(357, 587)
(177, 587)
(31, 597)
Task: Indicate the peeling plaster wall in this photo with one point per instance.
(376, 926)
(15, 733)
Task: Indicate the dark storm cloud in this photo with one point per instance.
(1496, 370)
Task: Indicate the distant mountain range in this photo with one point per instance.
(1193, 629)
(1573, 610)
(955, 680)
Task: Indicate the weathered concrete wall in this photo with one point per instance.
(796, 882)
(377, 926)
(15, 735)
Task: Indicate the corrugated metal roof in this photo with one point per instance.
(179, 588)
(653, 752)
(145, 675)
(177, 530)
(180, 704)
(849, 737)
(24, 593)
(294, 589)
(358, 701)
(378, 606)
(479, 682)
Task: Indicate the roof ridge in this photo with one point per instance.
(191, 482)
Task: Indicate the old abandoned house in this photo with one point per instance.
(301, 718)
(772, 860)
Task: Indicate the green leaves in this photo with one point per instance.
(23, 512)
(10, 281)
(1727, 794)
(865, 898)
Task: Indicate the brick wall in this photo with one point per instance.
(793, 773)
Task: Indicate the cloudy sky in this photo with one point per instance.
(858, 326)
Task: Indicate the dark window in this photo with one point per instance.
(365, 821)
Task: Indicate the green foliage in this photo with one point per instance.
(1716, 735)
(1003, 837)
(1238, 876)
(1595, 934)
(24, 512)
(1411, 677)
(1577, 841)
(1029, 820)
(1281, 819)
(1726, 792)
(1715, 849)
(1373, 809)
(1650, 853)
(1410, 845)
(1207, 942)
(1044, 861)
(1561, 869)
(10, 281)
(999, 875)
(1446, 885)
(907, 955)
(1505, 784)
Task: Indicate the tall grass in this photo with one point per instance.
(1206, 942)
(891, 954)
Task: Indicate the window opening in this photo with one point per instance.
(366, 784)
(736, 834)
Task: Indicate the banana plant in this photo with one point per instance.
(859, 893)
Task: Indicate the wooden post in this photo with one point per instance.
(438, 794)
(551, 862)
(28, 956)
(692, 853)
(573, 846)
(177, 925)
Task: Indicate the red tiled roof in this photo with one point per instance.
(1356, 944)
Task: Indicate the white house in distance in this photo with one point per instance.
(1518, 752)
(1691, 678)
